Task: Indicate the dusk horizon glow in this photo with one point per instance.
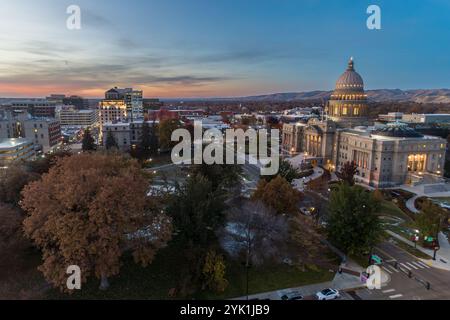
(203, 49)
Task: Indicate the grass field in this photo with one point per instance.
(155, 281)
(413, 251)
(389, 208)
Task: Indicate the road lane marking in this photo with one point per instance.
(385, 253)
(424, 264)
(388, 291)
(404, 265)
(387, 270)
(413, 266)
(418, 265)
(392, 268)
(396, 296)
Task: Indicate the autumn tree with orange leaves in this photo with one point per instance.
(279, 195)
(88, 211)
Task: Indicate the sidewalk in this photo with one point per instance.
(299, 184)
(411, 204)
(342, 282)
(442, 257)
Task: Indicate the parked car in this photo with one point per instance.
(328, 294)
(291, 295)
(305, 211)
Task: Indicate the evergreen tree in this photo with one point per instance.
(148, 142)
(197, 211)
(347, 173)
(286, 171)
(145, 141)
(154, 143)
(166, 128)
(88, 142)
(353, 224)
(111, 141)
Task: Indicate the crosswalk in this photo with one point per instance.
(392, 294)
(407, 266)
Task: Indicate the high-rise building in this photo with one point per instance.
(133, 100)
(76, 101)
(44, 132)
(36, 107)
(112, 111)
(9, 128)
(69, 116)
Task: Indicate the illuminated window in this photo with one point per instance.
(356, 111)
(344, 111)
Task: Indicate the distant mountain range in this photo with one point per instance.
(381, 95)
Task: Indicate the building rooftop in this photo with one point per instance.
(13, 143)
(397, 130)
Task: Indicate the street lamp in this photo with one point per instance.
(435, 250)
(415, 239)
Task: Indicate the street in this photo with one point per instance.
(400, 286)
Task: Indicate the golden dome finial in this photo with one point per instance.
(351, 65)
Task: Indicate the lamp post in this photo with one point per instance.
(435, 250)
(415, 239)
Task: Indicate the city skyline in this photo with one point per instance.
(225, 49)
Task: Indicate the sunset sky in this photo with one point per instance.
(219, 48)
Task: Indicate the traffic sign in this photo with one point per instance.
(376, 259)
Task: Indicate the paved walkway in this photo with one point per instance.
(299, 184)
(340, 282)
(411, 204)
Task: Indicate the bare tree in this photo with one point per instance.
(255, 232)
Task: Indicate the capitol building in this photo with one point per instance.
(386, 155)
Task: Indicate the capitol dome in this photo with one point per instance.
(350, 79)
(348, 102)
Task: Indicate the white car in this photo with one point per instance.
(328, 294)
(291, 295)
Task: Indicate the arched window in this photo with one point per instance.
(344, 110)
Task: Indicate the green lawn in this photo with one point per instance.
(267, 278)
(154, 282)
(388, 208)
(19, 277)
(412, 250)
